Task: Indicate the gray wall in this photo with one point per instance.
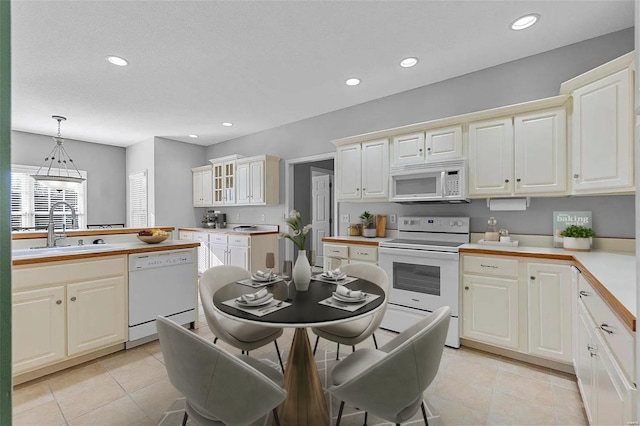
(526, 79)
(105, 166)
(173, 182)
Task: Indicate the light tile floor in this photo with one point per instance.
(131, 388)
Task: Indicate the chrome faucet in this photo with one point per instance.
(52, 237)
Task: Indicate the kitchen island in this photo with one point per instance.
(75, 303)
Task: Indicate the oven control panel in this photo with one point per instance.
(434, 224)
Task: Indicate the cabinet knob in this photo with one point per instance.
(532, 278)
(428, 149)
(420, 150)
(357, 189)
(518, 180)
(583, 293)
(364, 189)
(73, 299)
(466, 287)
(58, 302)
(576, 176)
(506, 181)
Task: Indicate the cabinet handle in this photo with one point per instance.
(488, 266)
(420, 150)
(363, 254)
(416, 300)
(428, 149)
(58, 302)
(584, 293)
(357, 189)
(604, 328)
(589, 347)
(532, 278)
(518, 180)
(576, 176)
(364, 189)
(466, 287)
(73, 299)
(506, 181)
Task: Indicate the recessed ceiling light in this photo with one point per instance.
(352, 82)
(227, 124)
(408, 62)
(117, 60)
(193, 136)
(524, 21)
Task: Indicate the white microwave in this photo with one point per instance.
(438, 182)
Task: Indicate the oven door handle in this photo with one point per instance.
(424, 254)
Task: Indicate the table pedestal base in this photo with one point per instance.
(305, 403)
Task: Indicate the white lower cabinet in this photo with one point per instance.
(549, 320)
(605, 372)
(490, 310)
(203, 251)
(519, 305)
(38, 323)
(337, 255)
(245, 251)
(64, 309)
(95, 314)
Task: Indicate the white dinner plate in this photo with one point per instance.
(258, 302)
(345, 299)
(334, 278)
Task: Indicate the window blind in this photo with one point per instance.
(138, 217)
(31, 201)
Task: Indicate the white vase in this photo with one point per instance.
(302, 271)
(576, 244)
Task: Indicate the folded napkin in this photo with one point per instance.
(261, 274)
(345, 292)
(262, 293)
(335, 274)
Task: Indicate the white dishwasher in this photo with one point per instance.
(161, 283)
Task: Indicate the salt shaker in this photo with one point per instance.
(504, 236)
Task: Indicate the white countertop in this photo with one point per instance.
(615, 271)
(60, 253)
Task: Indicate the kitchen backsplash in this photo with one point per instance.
(613, 215)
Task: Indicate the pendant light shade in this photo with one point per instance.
(58, 170)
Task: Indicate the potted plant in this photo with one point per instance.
(577, 238)
(368, 224)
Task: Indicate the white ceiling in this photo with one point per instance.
(258, 64)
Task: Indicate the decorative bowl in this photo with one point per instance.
(152, 239)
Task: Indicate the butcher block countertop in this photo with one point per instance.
(85, 232)
(230, 231)
(53, 254)
(613, 275)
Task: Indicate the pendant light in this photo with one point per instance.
(57, 164)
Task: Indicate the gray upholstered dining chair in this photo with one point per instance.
(241, 335)
(218, 387)
(389, 382)
(353, 332)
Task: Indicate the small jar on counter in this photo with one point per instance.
(492, 233)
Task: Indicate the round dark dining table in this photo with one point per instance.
(305, 403)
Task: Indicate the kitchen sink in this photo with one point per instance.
(41, 251)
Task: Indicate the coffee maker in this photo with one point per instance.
(214, 219)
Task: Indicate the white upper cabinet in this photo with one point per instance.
(520, 155)
(491, 157)
(430, 147)
(408, 149)
(202, 186)
(363, 171)
(349, 166)
(443, 144)
(257, 180)
(224, 180)
(541, 152)
(602, 135)
(375, 169)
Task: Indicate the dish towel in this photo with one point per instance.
(345, 292)
(255, 296)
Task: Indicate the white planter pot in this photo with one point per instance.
(369, 232)
(576, 244)
(302, 272)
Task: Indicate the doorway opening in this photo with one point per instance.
(309, 190)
